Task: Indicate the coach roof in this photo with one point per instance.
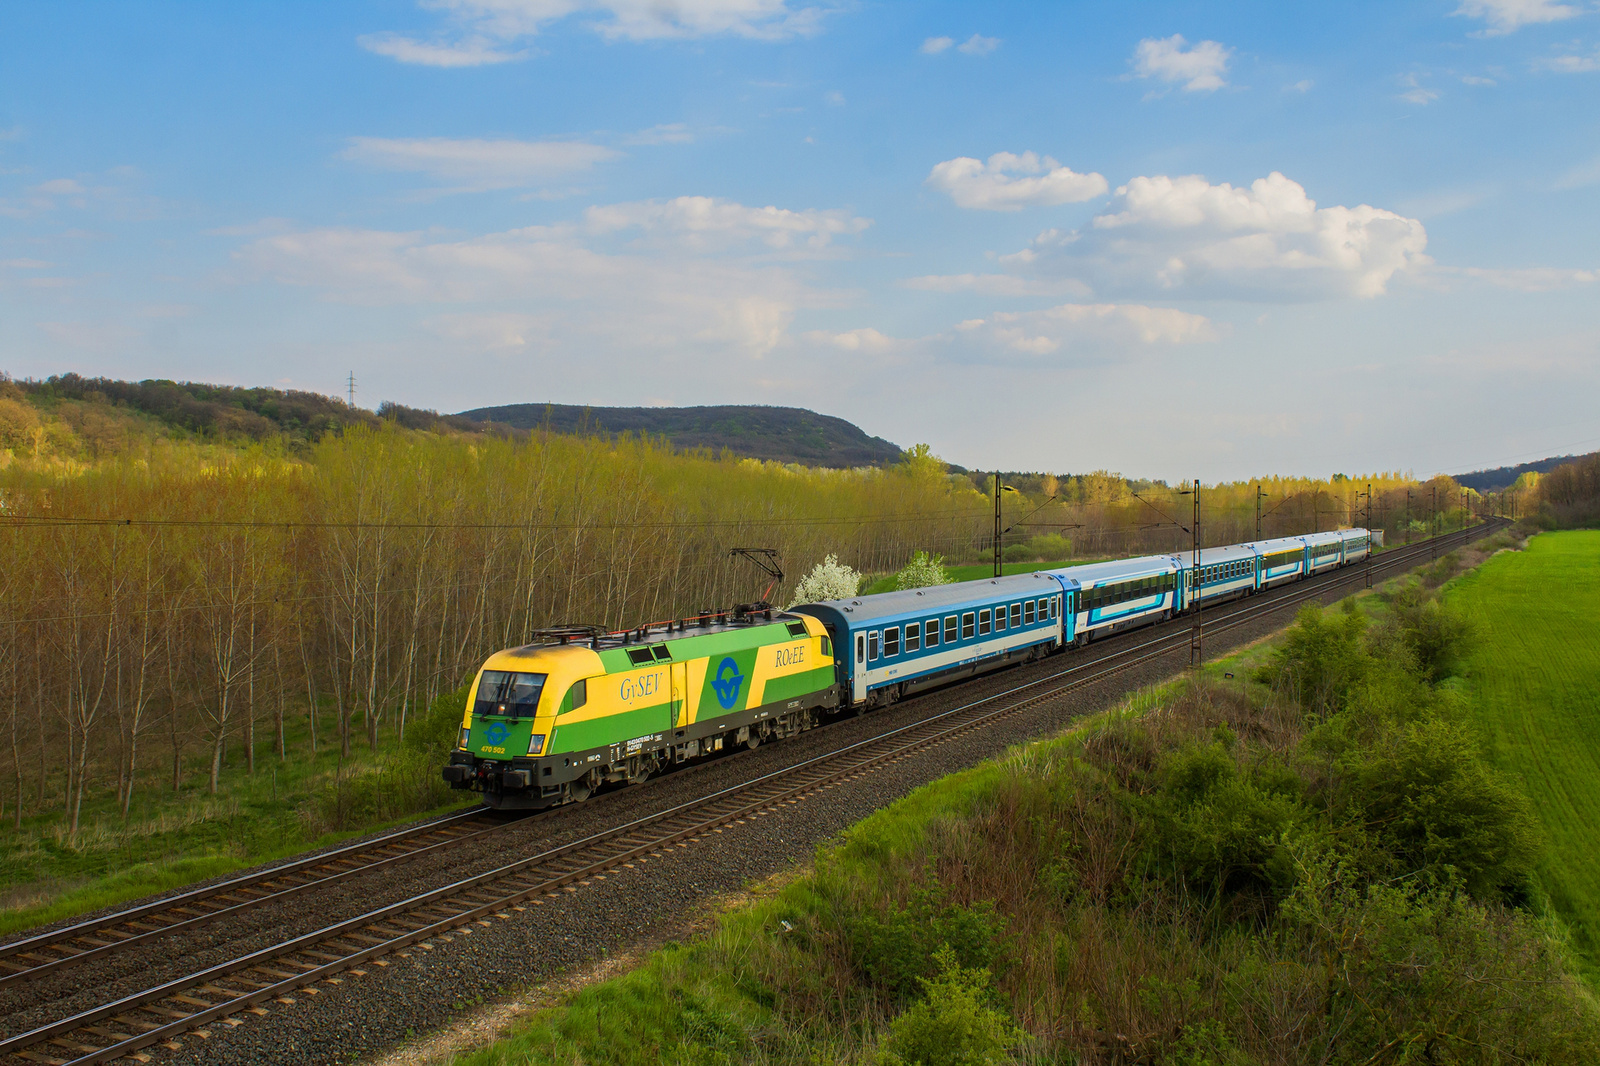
(859, 609)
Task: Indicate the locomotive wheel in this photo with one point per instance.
(578, 791)
(752, 742)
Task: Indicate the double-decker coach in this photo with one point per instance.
(895, 643)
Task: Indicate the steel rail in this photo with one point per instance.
(452, 906)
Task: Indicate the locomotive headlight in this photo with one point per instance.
(536, 744)
(462, 743)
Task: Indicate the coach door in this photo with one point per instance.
(679, 680)
(858, 672)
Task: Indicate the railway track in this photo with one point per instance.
(158, 1016)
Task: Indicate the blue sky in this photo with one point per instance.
(1170, 239)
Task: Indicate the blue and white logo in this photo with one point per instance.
(497, 733)
(727, 683)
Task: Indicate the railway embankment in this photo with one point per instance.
(1306, 853)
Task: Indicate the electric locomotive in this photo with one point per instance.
(554, 720)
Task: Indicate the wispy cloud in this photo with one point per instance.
(978, 45)
(466, 52)
(1414, 92)
(480, 32)
(479, 164)
(1202, 68)
(1571, 64)
(1507, 16)
(934, 45)
(1580, 177)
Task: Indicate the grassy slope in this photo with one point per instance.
(1536, 686)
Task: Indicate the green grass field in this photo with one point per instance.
(1536, 689)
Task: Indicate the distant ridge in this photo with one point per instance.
(785, 434)
(1502, 477)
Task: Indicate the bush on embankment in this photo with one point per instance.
(1316, 865)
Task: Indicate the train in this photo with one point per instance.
(580, 708)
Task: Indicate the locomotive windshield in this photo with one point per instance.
(509, 695)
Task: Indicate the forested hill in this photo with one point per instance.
(786, 434)
(229, 411)
(1502, 477)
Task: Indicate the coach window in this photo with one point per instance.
(872, 645)
(931, 630)
(913, 636)
(1000, 618)
(966, 626)
(1044, 609)
(1055, 606)
(983, 622)
(1016, 615)
(1027, 613)
(891, 641)
(861, 648)
(949, 629)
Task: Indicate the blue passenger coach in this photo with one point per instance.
(1282, 560)
(1324, 551)
(894, 643)
(1119, 595)
(1357, 544)
(1223, 573)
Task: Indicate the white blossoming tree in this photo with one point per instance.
(923, 570)
(829, 580)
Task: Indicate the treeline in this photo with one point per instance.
(183, 600)
(1569, 495)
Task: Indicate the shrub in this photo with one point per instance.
(1322, 659)
(1428, 794)
(953, 1024)
(1437, 637)
(1218, 829)
(922, 571)
(894, 951)
(828, 580)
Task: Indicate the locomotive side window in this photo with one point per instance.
(580, 694)
(891, 641)
(913, 636)
(983, 622)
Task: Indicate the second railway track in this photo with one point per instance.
(158, 1015)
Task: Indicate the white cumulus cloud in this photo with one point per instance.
(1010, 182)
(1186, 236)
(932, 46)
(1506, 16)
(1202, 68)
(479, 164)
(1572, 63)
(487, 31)
(704, 222)
(978, 45)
